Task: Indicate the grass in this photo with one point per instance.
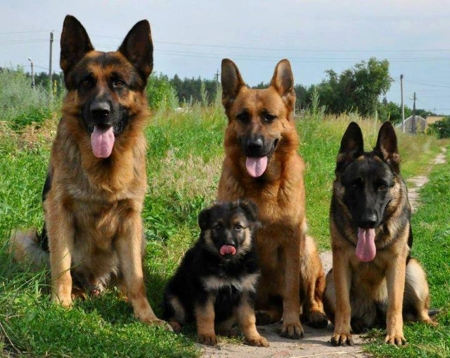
(185, 152)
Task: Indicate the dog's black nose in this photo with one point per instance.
(100, 110)
(368, 219)
(254, 145)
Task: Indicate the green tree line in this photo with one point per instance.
(360, 89)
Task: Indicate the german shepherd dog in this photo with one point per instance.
(216, 280)
(96, 182)
(374, 279)
(262, 165)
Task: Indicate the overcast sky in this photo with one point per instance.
(191, 37)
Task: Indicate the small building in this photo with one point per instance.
(414, 124)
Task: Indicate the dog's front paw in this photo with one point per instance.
(208, 339)
(258, 342)
(342, 339)
(396, 339)
(160, 323)
(63, 301)
(292, 330)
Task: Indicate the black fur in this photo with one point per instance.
(204, 260)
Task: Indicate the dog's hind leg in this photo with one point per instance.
(174, 312)
(417, 298)
(313, 286)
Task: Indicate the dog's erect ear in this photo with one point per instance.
(75, 43)
(138, 48)
(352, 146)
(283, 82)
(387, 147)
(204, 218)
(231, 80)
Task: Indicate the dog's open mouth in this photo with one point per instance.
(365, 248)
(102, 140)
(256, 166)
(227, 250)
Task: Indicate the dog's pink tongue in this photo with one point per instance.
(256, 166)
(227, 250)
(102, 141)
(365, 248)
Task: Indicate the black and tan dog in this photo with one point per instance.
(96, 182)
(262, 165)
(215, 283)
(374, 281)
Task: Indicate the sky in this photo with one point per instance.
(191, 37)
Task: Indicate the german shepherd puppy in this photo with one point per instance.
(96, 182)
(216, 280)
(262, 165)
(373, 279)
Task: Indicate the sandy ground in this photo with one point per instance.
(316, 343)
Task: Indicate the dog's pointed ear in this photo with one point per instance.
(387, 147)
(352, 146)
(138, 48)
(231, 80)
(75, 43)
(283, 82)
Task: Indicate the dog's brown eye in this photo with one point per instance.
(243, 117)
(382, 187)
(86, 83)
(238, 227)
(118, 83)
(269, 117)
(217, 226)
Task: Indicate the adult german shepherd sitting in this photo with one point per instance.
(262, 165)
(217, 278)
(374, 279)
(96, 182)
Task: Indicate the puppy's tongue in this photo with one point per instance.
(256, 166)
(227, 250)
(365, 248)
(102, 141)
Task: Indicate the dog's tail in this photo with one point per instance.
(26, 248)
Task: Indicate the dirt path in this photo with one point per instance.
(316, 343)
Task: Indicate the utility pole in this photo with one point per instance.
(413, 123)
(50, 72)
(402, 104)
(32, 73)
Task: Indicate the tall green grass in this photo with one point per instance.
(185, 153)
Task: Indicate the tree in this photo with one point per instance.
(160, 93)
(357, 89)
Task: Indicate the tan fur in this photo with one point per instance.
(93, 207)
(204, 316)
(279, 195)
(382, 291)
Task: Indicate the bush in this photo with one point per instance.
(21, 104)
(442, 128)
